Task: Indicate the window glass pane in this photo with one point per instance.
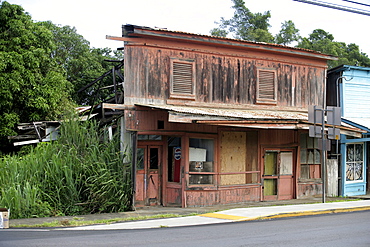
(310, 142)
(270, 187)
(317, 156)
(358, 170)
(270, 163)
(155, 137)
(303, 141)
(350, 154)
(201, 155)
(310, 153)
(358, 152)
(305, 171)
(200, 179)
(174, 159)
(303, 156)
(350, 172)
(315, 142)
(142, 137)
(153, 158)
(286, 163)
(140, 158)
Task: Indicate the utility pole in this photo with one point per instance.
(316, 115)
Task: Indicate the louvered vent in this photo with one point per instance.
(182, 78)
(266, 87)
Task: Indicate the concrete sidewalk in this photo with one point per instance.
(237, 214)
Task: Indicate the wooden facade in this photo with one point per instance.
(218, 120)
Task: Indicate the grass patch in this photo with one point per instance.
(80, 222)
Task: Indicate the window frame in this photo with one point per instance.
(177, 95)
(362, 161)
(212, 173)
(315, 164)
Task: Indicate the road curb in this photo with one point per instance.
(236, 218)
(308, 213)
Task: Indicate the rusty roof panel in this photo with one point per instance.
(129, 31)
(235, 113)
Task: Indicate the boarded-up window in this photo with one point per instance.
(238, 158)
(182, 79)
(266, 86)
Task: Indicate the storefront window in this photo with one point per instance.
(310, 158)
(354, 162)
(201, 163)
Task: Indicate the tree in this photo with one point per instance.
(322, 41)
(288, 33)
(245, 24)
(81, 63)
(32, 84)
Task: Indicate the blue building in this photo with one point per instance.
(349, 88)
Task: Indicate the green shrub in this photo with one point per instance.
(77, 174)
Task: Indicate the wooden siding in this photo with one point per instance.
(147, 120)
(278, 137)
(252, 156)
(356, 94)
(227, 195)
(219, 78)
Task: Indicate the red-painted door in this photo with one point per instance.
(278, 174)
(148, 179)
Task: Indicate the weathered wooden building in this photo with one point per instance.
(217, 121)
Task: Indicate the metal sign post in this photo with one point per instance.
(316, 115)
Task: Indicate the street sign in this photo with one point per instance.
(327, 144)
(314, 114)
(333, 133)
(334, 115)
(315, 131)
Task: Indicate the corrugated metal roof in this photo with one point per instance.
(229, 39)
(235, 113)
(243, 117)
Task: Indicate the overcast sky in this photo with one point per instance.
(96, 19)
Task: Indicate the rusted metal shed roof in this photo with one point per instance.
(134, 31)
(240, 114)
(251, 118)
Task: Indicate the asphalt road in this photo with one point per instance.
(344, 229)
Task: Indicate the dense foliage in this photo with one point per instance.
(245, 24)
(254, 27)
(78, 174)
(81, 63)
(32, 85)
(322, 41)
(42, 66)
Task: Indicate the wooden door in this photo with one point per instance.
(278, 175)
(148, 179)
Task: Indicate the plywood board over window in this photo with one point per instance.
(233, 157)
(266, 86)
(182, 79)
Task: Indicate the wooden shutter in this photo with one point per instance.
(182, 82)
(266, 87)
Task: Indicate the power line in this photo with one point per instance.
(364, 4)
(336, 6)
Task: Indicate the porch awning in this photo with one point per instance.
(250, 118)
(362, 123)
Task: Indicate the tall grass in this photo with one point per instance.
(80, 173)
